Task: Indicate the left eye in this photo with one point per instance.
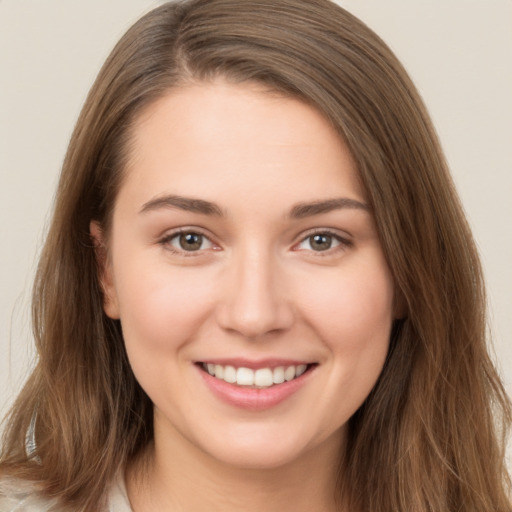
(189, 241)
(319, 242)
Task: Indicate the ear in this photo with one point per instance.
(105, 274)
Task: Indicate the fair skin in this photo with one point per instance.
(277, 266)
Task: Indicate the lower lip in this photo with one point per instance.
(251, 398)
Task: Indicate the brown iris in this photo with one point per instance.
(191, 241)
(320, 242)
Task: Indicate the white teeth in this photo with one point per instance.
(289, 373)
(229, 374)
(300, 370)
(245, 377)
(219, 371)
(278, 376)
(260, 378)
(263, 377)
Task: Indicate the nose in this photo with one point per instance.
(255, 302)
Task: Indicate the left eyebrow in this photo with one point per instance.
(301, 210)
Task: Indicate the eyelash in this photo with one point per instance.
(166, 241)
(343, 243)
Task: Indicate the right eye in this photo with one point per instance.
(187, 241)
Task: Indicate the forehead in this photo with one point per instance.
(241, 137)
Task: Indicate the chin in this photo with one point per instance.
(266, 449)
(257, 458)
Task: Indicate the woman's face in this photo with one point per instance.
(243, 254)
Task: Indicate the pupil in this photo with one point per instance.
(321, 242)
(191, 241)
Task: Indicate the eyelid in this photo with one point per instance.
(165, 239)
(344, 241)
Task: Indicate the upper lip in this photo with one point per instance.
(255, 364)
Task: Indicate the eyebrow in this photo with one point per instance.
(188, 204)
(298, 211)
(302, 210)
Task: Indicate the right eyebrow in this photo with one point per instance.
(188, 204)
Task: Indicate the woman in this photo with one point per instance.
(258, 290)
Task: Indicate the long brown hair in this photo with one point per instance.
(430, 437)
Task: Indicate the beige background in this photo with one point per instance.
(459, 52)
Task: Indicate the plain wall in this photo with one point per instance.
(459, 52)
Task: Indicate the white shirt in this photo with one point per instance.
(17, 496)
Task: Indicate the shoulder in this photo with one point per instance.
(118, 498)
(21, 496)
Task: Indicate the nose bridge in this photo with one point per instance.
(255, 303)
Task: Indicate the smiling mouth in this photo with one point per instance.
(261, 378)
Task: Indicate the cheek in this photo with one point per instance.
(353, 315)
(352, 307)
(352, 312)
(161, 308)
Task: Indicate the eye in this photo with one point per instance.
(188, 241)
(321, 242)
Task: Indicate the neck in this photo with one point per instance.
(179, 477)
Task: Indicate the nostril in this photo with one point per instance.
(256, 320)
